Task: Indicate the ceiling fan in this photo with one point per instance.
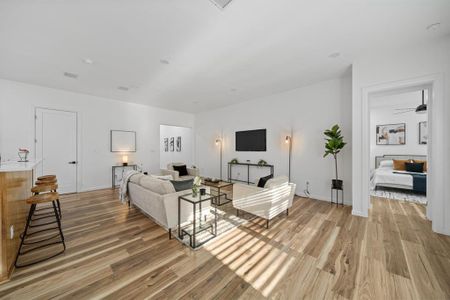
(421, 109)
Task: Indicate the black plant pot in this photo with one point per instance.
(337, 184)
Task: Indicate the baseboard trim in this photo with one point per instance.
(327, 199)
(440, 230)
(95, 188)
(359, 213)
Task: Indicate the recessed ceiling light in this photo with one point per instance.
(221, 3)
(71, 75)
(123, 88)
(434, 26)
(88, 61)
(164, 61)
(334, 55)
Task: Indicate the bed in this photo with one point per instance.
(385, 176)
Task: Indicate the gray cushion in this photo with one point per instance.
(182, 185)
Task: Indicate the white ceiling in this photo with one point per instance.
(402, 99)
(250, 49)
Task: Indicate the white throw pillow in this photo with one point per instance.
(387, 164)
(163, 177)
(276, 181)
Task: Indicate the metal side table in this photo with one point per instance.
(198, 225)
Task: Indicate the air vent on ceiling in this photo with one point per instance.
(123, 88)
(71, 75)
(221, 3)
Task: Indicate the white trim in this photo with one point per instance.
(359, 213)
(326, 199)
(436, 148)
(96, 188)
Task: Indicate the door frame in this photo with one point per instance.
(436, 207)
(77, 139)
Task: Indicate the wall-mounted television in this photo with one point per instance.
(251, 140)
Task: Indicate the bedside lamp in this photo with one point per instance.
(125, 160)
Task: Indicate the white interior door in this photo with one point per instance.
(56, 146)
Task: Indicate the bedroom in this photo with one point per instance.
(398, 144)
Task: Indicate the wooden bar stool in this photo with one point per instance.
(46, 177)
(44, 193)
(49, 179)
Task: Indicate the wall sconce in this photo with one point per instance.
(219, 143)
(125, 160)
(288, 140)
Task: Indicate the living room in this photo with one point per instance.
(108, 97)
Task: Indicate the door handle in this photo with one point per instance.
(72, 162)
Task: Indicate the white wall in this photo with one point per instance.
(413, 64)
(186, 153)
(307, 111)
(386, 114)
(96, 116)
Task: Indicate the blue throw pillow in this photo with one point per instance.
(414, 167)
(182, 185)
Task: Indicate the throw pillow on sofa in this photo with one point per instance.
(182, 185)
(182, 170)
(414, 167)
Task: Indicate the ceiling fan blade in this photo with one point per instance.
(403, 112)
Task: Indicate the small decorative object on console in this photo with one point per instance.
(262, 162)
(213, 180)
(234, 161)
(23, 154)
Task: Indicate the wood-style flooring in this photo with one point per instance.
(319, 251)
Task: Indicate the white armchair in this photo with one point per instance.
(276, 197)
(192, 172)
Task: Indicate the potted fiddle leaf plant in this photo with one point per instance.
(333, 145)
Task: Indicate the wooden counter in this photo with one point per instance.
(15, 184)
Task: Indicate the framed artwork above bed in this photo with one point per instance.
(391, 134)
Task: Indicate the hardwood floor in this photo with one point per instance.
(318, 252)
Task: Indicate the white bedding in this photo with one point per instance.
(385, 176)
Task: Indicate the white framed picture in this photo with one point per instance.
(166, 144)
(391, 134)
(172, 144)
(423, 133)
(178, 144)
(123, 141)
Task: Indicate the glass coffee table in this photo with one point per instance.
(198, 225)
(217, 186)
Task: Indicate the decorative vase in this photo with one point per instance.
(194, 191)
(23, 156)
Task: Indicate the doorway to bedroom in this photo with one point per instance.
(176, 145)
(398, 144)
